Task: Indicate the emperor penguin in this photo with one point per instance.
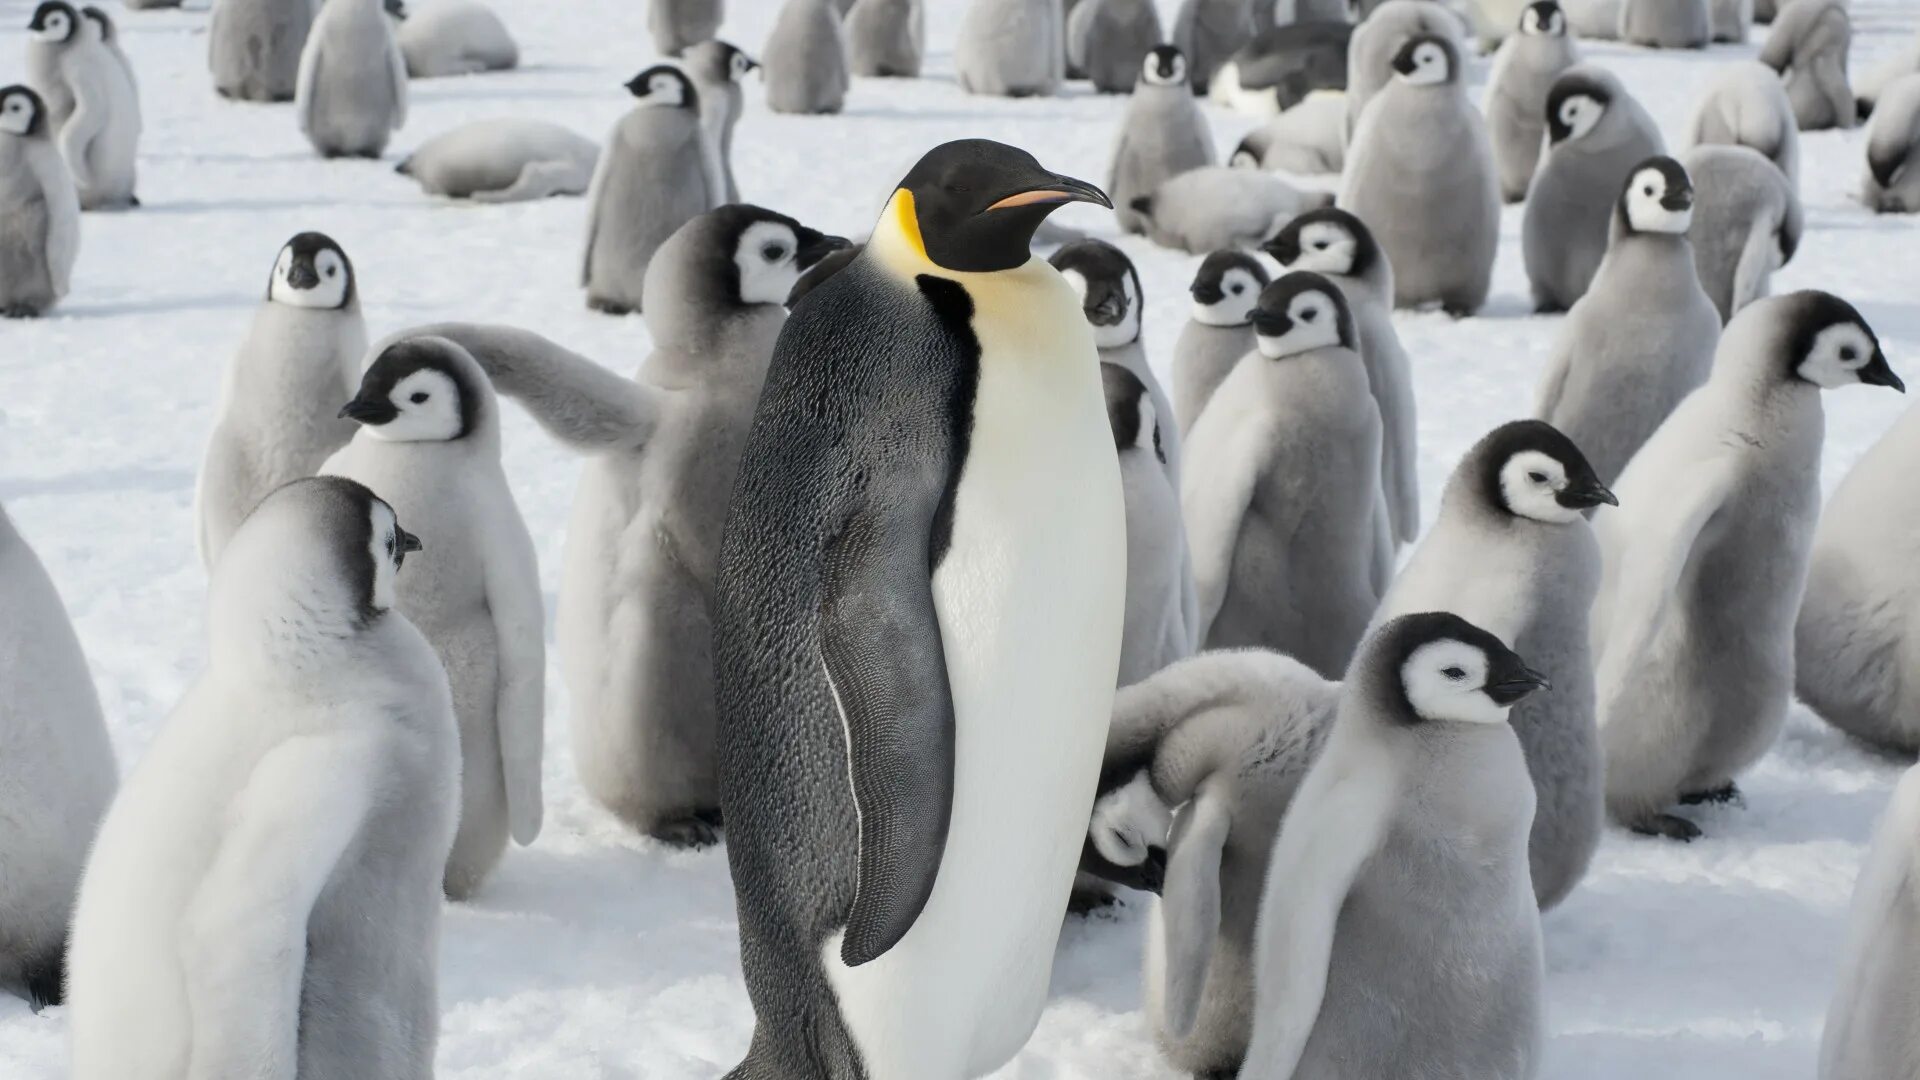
(1732, 19)
(1706, 559)
(1158, 629)
(1208, 33)
(1524, 71)
(496, 161)
(1113, 302)
(1422, 146)
(1334, 243)
(1282, 66)
(923, 579)
(1109, 40)
(117, 152)
(1162, 135)
(99, 133)
(279, 404)
(110, 37)
(1011, 48)
(352, 93)
(1892, 183)
(1808, 46)
(254, 47)
(1595, 20)
(1666, 24)
(1282, 485)
(1216, 206)
(1747, 223)
(1513, 553)
(430, 439)
(806, 59)
(57, 776)
(39, 209)
(1494, 21)
(1596, 134)
(1747, 105)
(655, 175)
(1855, 642)
(1868, 87)
(1310, 139)
(1378, 39)
(455, 37)
(716, 69)
(1867, 1033)
(676, 24)
(274, 859)
(887, 38)
(1643, 336)
(1219, 329)
(636, 594)
(1398, 934)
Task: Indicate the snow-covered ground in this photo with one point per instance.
(595, 954)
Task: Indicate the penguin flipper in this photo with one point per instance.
(1759, 257)
(1190, 908)
(881, 645)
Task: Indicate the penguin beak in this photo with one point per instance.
(1149, 875)
(372, 413)
(1515, 682)
(1271, 323)
(815, 246)
(1206, 292)
(1581, 494)
(409, 543)
(1054, 188)
(1879, 373)
(1679, 198)
(1108, 310)
(302, 275)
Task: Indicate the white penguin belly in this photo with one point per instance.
(1030, 600)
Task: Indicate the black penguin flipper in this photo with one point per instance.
(881, 645)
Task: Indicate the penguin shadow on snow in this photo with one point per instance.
(157, 305)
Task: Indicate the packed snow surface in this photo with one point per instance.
(596, 954)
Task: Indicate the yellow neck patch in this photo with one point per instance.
(906, 220)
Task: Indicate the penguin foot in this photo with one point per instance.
(1668, 827)
(1720, 796)
(699, 829)
(46, 984)
(1087, 901)
(610, 307)
(1547, 307)
(19, 311)
(1457, 311)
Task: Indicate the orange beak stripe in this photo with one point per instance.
(1029, 198)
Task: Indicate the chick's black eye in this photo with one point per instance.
(1537, 477)
(419, 397)
(773, 252)
(1847, 354)
(1236, 289)
(1454, 673)
(1310, 314)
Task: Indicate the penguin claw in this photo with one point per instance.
(699, 829)
(1668, 827)
(1088, 901)
(1728, 792)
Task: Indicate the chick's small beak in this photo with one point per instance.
(1581, 494)
(409, 543)
(1513, 686)
(371, 412)
(816, 246)
(1880, 373)
(1678, 199)
(1056, 189)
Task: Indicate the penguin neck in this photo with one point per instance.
(734, 347)
(897, 245)
(307, 628)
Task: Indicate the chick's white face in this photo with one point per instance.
(1553, 25)
(388, 553)
(1315, 325)
(1579, 113)
(1837, 355)
(321, 282)
(1430, 66)
(1531, 483)
(16, 114)
(1175, 75)
(1326, 248)
(1128, 821)
(56, 27)
(739, 65)
(1646, 209)
(662, 91)
(1446, 680)
(1146, 434)
(767, 256)
(428, 404)
(1239, 291)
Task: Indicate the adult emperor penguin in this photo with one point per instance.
(1515, 512)
(1159, 623)
(503, 161)
(1524, 71)
(1162, 135)
(430, 440)
(806, 59)
(1217, 206)
(922, 577)
(283, 389)
(1643, 336)
(1334, 243)
(1747, 105)
(1421, 145)
(654, 176)
(1208, 33)
(1597, 134)
(1011, 48)
(1706, 559)
(1281, 489)
(716, 69)
(1855, 641)
(274, 859)
(55, 779)
(1667, 24)
(39, 210)
(352, 93)
(1867, 1032)
(1219, 330)
(99, 135)
(887, 38)
(1808, 46)
(676, 24)
(1398, 933)
(1747, 223)
(1892, 183)
(1379, 38)
(1110, 40)
(254, 47)
(455, 37)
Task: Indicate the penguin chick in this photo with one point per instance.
(1309, 139)
(1206, 209)
(1219, 329)
(1378, 39)
(1208, 33)
(1705, 561)
(1642, 337)
(1748, 106)
(455, 37)
(1524, 71)
(1747, 223)
(254, 47)
(655, 175)
(430, 437)
(352, 91)
(1892, 183)
(1667, 24)
(716, 69)
(1867, 1033)
(98, 132)
(39, 209)
(677, 24)
(1162, 135)
(1511, 551)
(887, 38)
(1109, 40)
(496, 161)
(1283, 66)
(1159, 579)
(806, 59)
(1011, 48)
(1808, 46)
(57, 37)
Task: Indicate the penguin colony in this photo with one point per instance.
(896, 568)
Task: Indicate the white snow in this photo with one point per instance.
(598, 955)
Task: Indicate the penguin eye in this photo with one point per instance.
(1537, 477)
(1310, 314)
(1322, 245)
(1847, 354)
(1236, 289)
(1454, 673)
(773, 253)
(419, 397)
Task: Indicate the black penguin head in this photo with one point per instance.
(973, 205)
(1543, 18)
(1575, 104)
(397, 9)
(1657, 198)
(819, 272)
(1826, 341)
(1328, 240)
(764, 253)
(1438, 667)
(664, 86)
(1109, 289)
(55, 21)
(716, 61)
(1529, 469)
(1427, 60)
(1165, 65)
(1226, 288)
(312, 272)
(423, 389)
(1299, 313)
(1136, 426)
(100, 19)
(21, 111)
